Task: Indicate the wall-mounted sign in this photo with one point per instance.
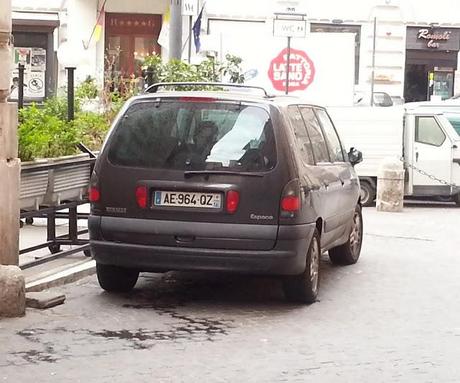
(445, 39)
(301, 70)
(134, 23)
(433, 38)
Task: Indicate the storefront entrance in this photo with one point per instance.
(129, 38)
(431, 62)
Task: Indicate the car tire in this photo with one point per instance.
(457, 199)
(303, 288)
(349, 252)
(367, 193)
(116, 279)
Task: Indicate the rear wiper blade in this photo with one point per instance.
(190, 173)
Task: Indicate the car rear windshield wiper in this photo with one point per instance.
(191, 173)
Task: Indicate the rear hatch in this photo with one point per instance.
(200, 173)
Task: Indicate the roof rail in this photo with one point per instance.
(154, 88)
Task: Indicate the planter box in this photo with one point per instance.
(33, 185)
(53, 181)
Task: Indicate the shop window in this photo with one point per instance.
(129, 39)
(32, 50)
(342, 28)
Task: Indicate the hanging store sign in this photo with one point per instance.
(189, 7)
(289, 28)
(433, 39)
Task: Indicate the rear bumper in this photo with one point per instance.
(286, 258)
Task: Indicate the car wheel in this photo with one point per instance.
(304, 287)
(367, 194)
(116, 279)
(348, 253)
(457, 199)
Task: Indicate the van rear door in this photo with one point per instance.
(203, 172)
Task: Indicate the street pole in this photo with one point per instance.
(373, 61)
(21, 69)
(288, 59)
(175, 30)
(12, 284)
(70, 93)
(190, 21)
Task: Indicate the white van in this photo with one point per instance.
(426, 139)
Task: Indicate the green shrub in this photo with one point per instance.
(209, 70)
(44, 135)
(87, 90)
(91, 128)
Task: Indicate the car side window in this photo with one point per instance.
(335, 148)
(302, 139)
(427, 131)
(318, 143)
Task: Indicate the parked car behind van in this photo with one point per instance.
(223, 181)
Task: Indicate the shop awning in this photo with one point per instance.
(42, 19)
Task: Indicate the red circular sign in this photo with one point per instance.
(301, 70)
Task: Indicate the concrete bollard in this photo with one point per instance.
(9, 211)
(12, 292)
(390, 185)
(8, 130)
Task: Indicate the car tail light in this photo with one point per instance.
(141, 196)
(291, 201)
(233, 199)
(94, 195)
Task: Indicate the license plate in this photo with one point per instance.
(188, 199)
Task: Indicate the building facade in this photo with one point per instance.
(413, 54)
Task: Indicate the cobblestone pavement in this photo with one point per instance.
(393, 317)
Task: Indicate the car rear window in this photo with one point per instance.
(194, 136)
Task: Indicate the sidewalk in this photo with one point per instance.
(60, 270)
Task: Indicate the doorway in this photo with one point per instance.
(428, 74)
(129, 39)
(416, 82)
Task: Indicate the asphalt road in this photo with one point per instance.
(393, 317)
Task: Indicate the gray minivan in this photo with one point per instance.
(219, 180)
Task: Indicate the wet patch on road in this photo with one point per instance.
(46, 354)
(185, 328)
(191, 329)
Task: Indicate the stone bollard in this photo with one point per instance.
(12, 292)
(390, 185)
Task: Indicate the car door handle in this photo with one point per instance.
(416, 156)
